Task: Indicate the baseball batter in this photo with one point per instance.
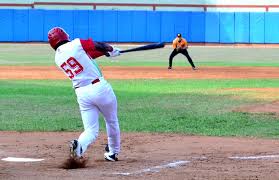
(76, 59)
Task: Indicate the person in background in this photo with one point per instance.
(180, 45)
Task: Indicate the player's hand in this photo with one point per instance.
(177, 49)
(115, 52)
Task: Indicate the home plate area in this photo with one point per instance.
(143, 156)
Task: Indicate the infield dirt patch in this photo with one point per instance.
(143, 156)
(51, 72)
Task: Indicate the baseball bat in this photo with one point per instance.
(145, 47)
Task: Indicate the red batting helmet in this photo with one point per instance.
(57, 35)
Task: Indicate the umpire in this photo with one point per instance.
(180, 45)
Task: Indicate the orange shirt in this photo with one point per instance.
(182, 44)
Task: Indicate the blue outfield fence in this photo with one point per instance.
(257, 27)
(242, 27)
(271, 28)
(212, 27)
(7, 25)
(227, 25)
(141, 26)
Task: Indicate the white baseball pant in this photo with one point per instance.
(92, 99)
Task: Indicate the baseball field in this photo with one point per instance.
(218, 122)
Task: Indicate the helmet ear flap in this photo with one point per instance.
(57, 35)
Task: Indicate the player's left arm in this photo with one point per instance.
(97, 49)
(108, 50)
(103, 47)
(185, 43)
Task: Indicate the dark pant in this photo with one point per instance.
(182, 51)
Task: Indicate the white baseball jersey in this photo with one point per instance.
(72, 59)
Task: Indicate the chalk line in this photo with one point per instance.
(15, 159)
(254, 157)
(155, 168)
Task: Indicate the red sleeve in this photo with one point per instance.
(89, 48)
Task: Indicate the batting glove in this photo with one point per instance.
(115, 52)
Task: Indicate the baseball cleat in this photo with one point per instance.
(75, 149)
(194, 68)
(111, 157)
(169, 67)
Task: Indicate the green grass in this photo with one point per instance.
(181, 106)
(43, 55)
(197, 107)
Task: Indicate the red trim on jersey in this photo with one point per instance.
(89, 48)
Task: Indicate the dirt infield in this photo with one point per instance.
(51, 72)
(144, 155)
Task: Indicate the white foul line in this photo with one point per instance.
(14, 159)
(254, 157)
(155, 168)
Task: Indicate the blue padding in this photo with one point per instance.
(139, 26)
(6, 19)
(242, 27)
(50, 20)
(212, 27)
(96, 25)
(271, 27)
(36, 25)
(66, 21)
(153, 26)
(257, 22)
(197, 27)
(110, 26)
(81, 24)
(181, 25)
(167, 26)
(124, 26)
(20, 23)
(226, 27)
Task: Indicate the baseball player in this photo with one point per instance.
(76, 59)
(180, 45)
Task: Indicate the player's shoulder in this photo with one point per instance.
(76, 41)
(75, 44)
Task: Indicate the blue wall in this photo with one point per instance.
(141, 26)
